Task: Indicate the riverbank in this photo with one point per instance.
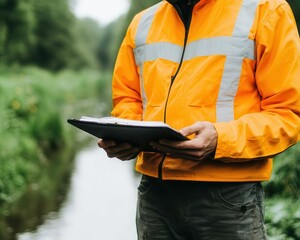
(34, 106)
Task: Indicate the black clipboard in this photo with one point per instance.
(139, 136)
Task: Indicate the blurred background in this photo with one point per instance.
(56, 61)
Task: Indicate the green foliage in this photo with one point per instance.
(46, 34)
(283, 219)
(282, 193)
(88, 37)
(17, 26)
(34, 31)
(110, 42)
(54, 47)
(34, 106)
(286, 174)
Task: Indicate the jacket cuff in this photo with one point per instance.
(225, 138)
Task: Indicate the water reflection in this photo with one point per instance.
(100, 205)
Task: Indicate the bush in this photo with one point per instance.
(283, 219)
(34, 106)
(282, 194)
(286, 174)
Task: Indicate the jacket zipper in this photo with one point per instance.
(187, 28)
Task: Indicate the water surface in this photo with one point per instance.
(100, 204)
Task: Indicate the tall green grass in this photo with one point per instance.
(34, 106)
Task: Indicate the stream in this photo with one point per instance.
(100, 204)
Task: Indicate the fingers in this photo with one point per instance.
(192, 144)
(122, 151)
(203, 144)
(106, 143)
(123, 154)
(195, 128)
(176, 152)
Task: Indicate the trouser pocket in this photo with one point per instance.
(238, 196)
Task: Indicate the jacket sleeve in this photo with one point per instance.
(276, 127)
(127, 102)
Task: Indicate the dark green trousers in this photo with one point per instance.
(188, 210)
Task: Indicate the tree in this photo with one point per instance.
(88, 37)
(54, 47)
(41, 33)
(16, 30)
(114, 33)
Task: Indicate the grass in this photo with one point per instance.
(34, 106)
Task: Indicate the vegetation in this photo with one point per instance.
(46, 34)
(282, 197)
(37, 145)
(34, 107)
(283, 218)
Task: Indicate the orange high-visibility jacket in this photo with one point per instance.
(237, 66)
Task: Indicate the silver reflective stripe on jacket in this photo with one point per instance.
(140, 42)
(233, 65)
(236, 48)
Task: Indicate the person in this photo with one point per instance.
(227, 75)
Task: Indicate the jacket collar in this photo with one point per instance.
(190, 2)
